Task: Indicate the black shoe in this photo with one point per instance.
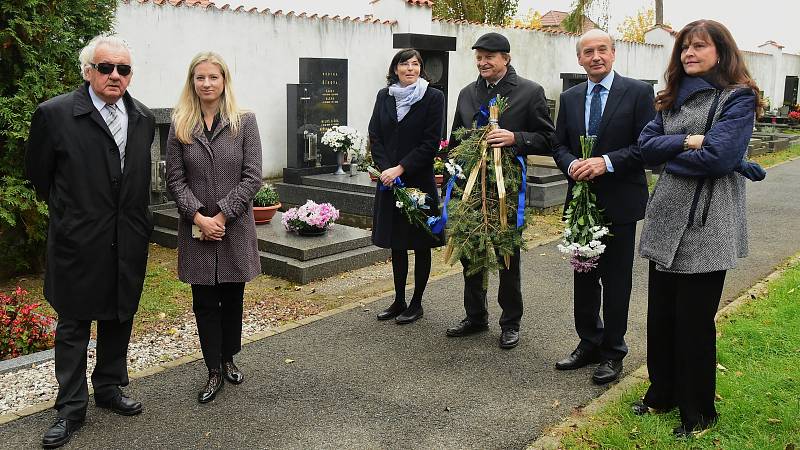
(392, 311)
(409, 315)
(232, 373)
(639, 408)
(466, 327)
(121, 405)
(213, 386)
(577, 359)
(607, 371)
(686, 430)
(60, 432)
(509, 338)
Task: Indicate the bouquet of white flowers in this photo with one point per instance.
(585, 224)
(342, 138)
(410, 201)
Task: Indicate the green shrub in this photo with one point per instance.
(39, 45)
(266, 196)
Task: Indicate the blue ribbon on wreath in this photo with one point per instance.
(438, 223)
(482, 116)
(397, 182)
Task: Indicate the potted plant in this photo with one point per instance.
(265, 204)
(311, 219)
(438, 171)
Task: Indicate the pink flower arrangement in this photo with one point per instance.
(310, 216)
(795, 116)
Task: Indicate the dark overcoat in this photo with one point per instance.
(411, 143)
(527, 115)
(100, 224)
(222, 174)
(622, 194)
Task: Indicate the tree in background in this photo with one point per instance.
(597, 10)
(39, 45)
(493, 12)
(634, 27)
(532, 19)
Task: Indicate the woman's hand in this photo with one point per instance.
(212, 228)
(388, 176)
(695, 141)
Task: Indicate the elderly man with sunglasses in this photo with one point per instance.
(88, 157)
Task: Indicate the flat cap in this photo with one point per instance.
(493, 42)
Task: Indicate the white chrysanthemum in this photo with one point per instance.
(398, 204)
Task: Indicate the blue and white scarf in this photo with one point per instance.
(407, 96)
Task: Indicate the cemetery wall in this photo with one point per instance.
(262, 50)
(762, 69)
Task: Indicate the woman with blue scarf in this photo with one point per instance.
(404, 134)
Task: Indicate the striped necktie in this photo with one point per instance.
(115, 126)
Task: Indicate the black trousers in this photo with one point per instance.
(509, 295)
(110, 371)
(608, 284)
(681, 343)
(218, 311)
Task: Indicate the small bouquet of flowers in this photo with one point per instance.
(342, 138)
(585, 228)
(410, 201)
(311, 217)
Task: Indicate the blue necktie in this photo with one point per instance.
(595, 111)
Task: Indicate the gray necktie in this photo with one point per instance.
(115, 126)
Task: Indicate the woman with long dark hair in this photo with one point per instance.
(404, 134)
(695, 227)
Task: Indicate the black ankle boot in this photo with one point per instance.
(213, 386)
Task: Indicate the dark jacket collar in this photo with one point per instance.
(83, 102)
(510, 78)
(689, 86)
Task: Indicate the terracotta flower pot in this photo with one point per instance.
(439, 180)
(264, 214)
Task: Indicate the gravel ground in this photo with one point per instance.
(36, 384)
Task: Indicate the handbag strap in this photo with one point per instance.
(712, 110)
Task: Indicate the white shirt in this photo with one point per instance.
(121, 112)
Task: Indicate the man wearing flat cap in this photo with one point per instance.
(525, 129)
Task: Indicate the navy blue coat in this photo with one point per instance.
(411, 143)
(621, 194)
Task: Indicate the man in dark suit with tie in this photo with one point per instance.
(525, 129)
(88, 156)
(615, 109)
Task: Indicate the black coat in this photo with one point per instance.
(622, 194)
(412, 143)
(100, 223)
(527, 115)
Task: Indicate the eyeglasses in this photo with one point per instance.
(106, 68)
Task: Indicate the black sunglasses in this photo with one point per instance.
(106, 68)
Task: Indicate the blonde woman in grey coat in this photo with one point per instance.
(695, 225)
(213, 173)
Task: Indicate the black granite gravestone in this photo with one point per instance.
(314, 105)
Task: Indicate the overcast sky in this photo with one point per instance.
(777, 20)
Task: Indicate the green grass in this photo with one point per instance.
(773, 158)
(758, 393)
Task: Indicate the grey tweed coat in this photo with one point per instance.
(696, 216)
(221, 175)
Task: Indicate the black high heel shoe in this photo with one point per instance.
(410, 315)
(213, 386)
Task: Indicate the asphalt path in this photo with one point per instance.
(359, 383)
